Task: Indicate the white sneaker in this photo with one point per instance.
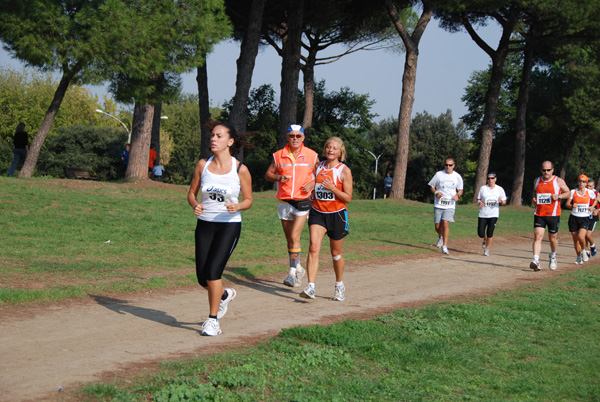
(300, 272)
(535, 265)
(339, 293)
(585, 256)
(553, 264)
(483, 245)
(290, 281)
(308, 293)
(231, 293)
(440, 242)
(578, 260)
(445, 250)
(486, 252)
(211, 327)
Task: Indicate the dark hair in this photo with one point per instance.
(232, 131)
(233, 134)
(20, 128)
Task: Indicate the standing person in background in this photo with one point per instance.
(293, 169)
(447, 187)
(589, 238)
(157, 172)
(220, 179)
(151, 160)
(329, 216)
(579, 221)
(125, 158)
(490, 198)
(548, 190)
(387, 186)
(20, 147)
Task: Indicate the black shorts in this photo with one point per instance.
(551, 221)
(576, 223)
(486, 226)
(387, 191)
(215, 241)
(336, 223)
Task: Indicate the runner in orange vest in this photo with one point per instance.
(293, 169)
(548, 190)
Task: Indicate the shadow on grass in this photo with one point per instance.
(121, 306)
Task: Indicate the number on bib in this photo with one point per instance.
(445, 201)
(491, 202)
(544, 199)
(581, 209)
(216, 197)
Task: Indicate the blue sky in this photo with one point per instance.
(445, 64)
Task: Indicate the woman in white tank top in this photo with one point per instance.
(220, 179)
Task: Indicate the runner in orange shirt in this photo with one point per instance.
(548, 190)
(293, 168)
(582, 202)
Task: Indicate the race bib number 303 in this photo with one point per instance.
(544, 199)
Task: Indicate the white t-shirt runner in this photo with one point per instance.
(490, 197)
(448, 185)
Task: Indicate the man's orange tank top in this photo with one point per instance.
(545, 205)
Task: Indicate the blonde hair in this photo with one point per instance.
(342, 147)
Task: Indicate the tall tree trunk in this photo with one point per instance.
(492, 97)
(37, 142)
(204, 109)
(565, 162)
(521, 127)
(155, 138)
(308, 74)
(141, 133)
(409, 79)
(245, 69)
(290, 68)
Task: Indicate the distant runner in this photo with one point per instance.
(589, 238)
(490, 198)
(579, 201)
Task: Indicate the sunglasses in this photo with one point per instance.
(491, 178)
(547, 170)
(582, 181)
(449, 164)
(295, 135)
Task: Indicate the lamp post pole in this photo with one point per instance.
(128, 130)
(376, 161)
(111, 116)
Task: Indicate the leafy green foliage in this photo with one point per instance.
(97, 149)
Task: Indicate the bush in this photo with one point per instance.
(97, 149)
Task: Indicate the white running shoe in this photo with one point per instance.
(231, 294)
(308, 293)
(339, 293)
(445, 250)
(578, 260)
(211, 327)
(290, 281)
(300, 272)
(535, 265)
(585, 256)
(483, 245)
(440, 242)
(553, 264)
(486, 252)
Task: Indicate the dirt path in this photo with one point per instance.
(71, 344)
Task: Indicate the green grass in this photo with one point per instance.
(535, 343)
(55, 235)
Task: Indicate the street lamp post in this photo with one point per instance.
(128, 130)
(376, 161)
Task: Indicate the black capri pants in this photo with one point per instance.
(483, 223)
(215, 241)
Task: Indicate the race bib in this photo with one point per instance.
(491, 202)
(544, 199)
(445, 201)
(581, 209)
(217, 193)
(322, 194)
